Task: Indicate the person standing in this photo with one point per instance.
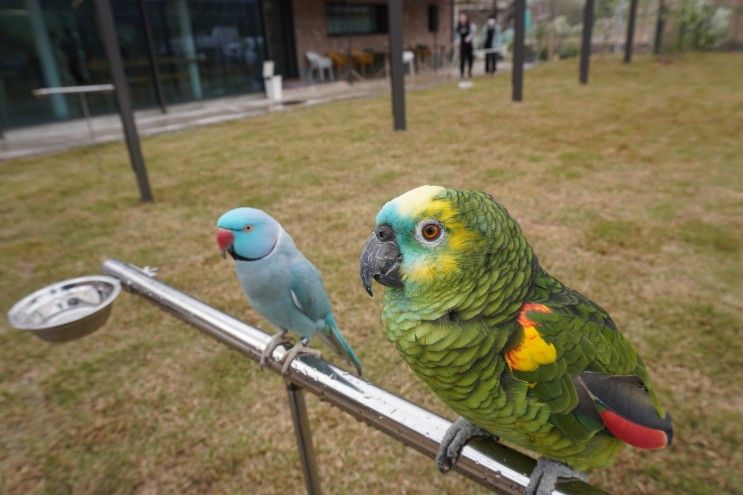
(491, 43)
(465, 37)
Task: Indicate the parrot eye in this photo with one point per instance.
(248, 228)
(429, 232)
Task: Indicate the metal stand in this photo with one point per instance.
(81, 91)
(397, 71)
(304, 439)
(144, 15)
(630, 32)
(585, 51)
(659, 24)
(107, 31)
(517, 71)
(86, 114)
(493, 465)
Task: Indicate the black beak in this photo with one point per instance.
(381, 259)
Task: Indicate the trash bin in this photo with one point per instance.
(271, 82)
(273, 88)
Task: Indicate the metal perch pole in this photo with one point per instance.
(493, 465)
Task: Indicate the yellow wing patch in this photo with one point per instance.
(533, 350)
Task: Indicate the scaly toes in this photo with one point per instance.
(443, 461)
(455, 438)
(294, 352)
(545, 475)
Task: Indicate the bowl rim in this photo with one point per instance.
(18, 306)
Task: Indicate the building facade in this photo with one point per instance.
(202, 48)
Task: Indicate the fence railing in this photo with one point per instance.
(492, 465)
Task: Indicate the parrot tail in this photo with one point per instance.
(332, 336)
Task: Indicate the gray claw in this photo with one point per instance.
(546, 473)
(299, 348)
(455, 438)
(276, 340)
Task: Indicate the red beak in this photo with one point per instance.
(224, 239)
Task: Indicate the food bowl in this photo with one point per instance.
(66, 310)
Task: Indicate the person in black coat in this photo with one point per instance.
(465, 37)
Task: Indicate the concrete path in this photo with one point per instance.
(60, 136)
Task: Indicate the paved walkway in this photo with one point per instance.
(54, 137)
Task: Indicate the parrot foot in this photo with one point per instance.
(545, 476)
(276, 340)
(299, 348)
(455, 438)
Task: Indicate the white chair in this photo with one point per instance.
(319, 64)
(408, 58)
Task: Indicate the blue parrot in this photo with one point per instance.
(280, 283)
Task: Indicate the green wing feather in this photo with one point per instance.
(585, 339)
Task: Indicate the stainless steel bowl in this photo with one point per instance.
(66, 310)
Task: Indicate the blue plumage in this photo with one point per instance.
(281, 284)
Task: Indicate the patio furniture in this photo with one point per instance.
(423, 53)
(340, 60)
(81, 91)
(362, 59)
(317, 64)
(408, 58)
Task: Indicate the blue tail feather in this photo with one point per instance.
(333, 335)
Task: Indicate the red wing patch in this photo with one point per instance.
(636, 435)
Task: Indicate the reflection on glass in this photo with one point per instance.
(204, 49)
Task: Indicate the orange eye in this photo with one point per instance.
(248, 228)
(431, 231)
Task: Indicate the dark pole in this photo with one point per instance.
(659, 25)
(585, 51)
(397, 75)
(144, 14)
(517, 73)
(107, 31)
(630, 32)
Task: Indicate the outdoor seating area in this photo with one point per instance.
(369, 63)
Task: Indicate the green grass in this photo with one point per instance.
(630, 190)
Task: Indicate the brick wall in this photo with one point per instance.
(309, 28)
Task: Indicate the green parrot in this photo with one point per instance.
(517, 354)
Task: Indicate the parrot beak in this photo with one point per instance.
(381, 259)
(224, 241)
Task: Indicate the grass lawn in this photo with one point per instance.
(629, 189)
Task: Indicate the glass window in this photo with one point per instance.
(204, 49)
(343, 19)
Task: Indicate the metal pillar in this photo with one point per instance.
(48, 61)
(397, 71)
(107, 31)
(585, 51)
(517, 72)
(630, 32)
(659, 25)
(304, 439)
(144, 15)
(189, 48)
